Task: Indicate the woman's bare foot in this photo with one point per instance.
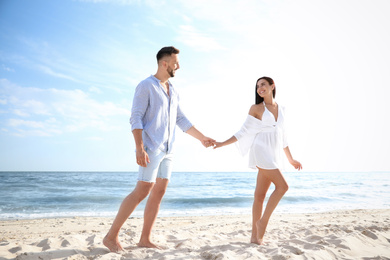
(260, 233)
(113, 245)
(257, 241)
(254, 240)
(148, 244)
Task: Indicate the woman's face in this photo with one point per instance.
(264, 88)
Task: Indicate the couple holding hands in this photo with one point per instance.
(154, 116)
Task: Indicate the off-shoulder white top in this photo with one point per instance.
(264, 139)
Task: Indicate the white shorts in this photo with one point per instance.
(160, 166)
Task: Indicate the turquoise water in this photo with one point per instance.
(58, 194)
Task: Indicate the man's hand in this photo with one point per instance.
(207, 142)
(142, 157)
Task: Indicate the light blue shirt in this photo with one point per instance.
(157, 114)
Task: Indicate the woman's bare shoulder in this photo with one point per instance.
(256, 110)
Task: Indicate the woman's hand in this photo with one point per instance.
(297, 165)
(231, 140)
(218, 145)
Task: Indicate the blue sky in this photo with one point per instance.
(68, 70)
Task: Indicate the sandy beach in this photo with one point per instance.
(353, 234)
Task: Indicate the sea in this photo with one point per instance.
(27, 195)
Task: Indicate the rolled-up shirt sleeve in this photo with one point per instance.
(182, 121)
(140, 104)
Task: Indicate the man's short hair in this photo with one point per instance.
(166, 51)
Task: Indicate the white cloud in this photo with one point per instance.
(151, 3)
(121, 2)
(55, 111)
(157, 22)
(20, 122)
(95, 90)
(49, 71)
(230, 15)
(200, 41)
(22, 128)
(7, 69)
(94, 138)
(21, 113)
(82, 66)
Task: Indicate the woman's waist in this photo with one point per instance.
(269, 129)
(269, 134)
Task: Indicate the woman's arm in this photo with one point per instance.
(253, 112)
(297, 165)
(231, 140)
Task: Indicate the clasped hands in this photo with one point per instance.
(209, 142)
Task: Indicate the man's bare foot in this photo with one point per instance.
(148, 244)
(113, 245)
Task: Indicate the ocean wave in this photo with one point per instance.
(207, 201)
(34, 194)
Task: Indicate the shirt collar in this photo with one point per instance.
(158, 81)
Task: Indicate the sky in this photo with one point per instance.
(68, 71)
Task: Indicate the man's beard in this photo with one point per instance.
(171, 72)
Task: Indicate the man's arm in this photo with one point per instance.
(206, 141)
(140, 103)
(141, 155)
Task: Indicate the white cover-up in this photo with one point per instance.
(264, 139)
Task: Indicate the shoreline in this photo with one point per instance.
(346, 234)
(139, 214)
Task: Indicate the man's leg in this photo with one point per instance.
(151, 210)
(127, 207)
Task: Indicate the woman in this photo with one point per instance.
(263, 135)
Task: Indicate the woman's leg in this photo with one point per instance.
(262, 186)
(281, 187)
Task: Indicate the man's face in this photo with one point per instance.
(173, 64)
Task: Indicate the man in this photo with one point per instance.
(155, 113)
